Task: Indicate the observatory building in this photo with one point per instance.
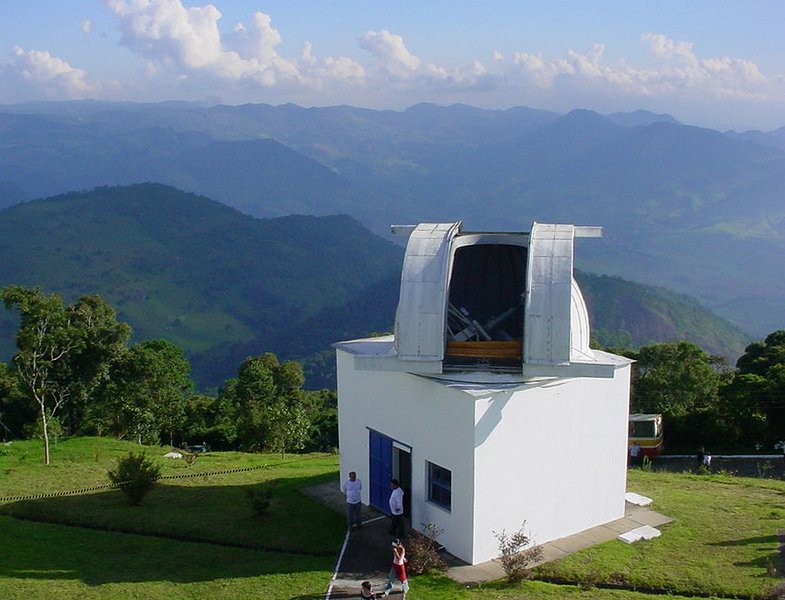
(487, 403)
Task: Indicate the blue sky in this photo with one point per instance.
(710, 63)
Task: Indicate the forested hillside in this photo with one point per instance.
(224, 286)
(691, 209)
(189, 269)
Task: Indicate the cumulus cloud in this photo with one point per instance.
(678, 70)
(681, 69)
(188, 42)
(34, 73)
(397, 65)
(391, 52)
(331, 68)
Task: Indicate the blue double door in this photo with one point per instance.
(388, 459)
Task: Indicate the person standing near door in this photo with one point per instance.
(396, 509)
(353, 488)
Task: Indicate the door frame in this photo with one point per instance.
(388, 458)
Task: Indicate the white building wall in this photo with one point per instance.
(436, 421)
(553, 454)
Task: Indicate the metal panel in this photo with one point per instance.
(548, 294)
(420, 318)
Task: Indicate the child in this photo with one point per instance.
(398, 570)
(366, 591)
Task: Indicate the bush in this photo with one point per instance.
(261, 498)
(516, 553)
(775, 593)
(423, 550)
(135, 475)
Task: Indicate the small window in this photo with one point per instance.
(440, 485)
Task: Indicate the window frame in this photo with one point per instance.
(441, 485)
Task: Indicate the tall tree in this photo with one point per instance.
(271, 412)
(14, 412)
(101, 342)
(146, 393)
(676, 378)
(44, 340)
(322, 408)
(758, 392)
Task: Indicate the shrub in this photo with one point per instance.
(261, 498)
(423, 550)
(135, 475)
(516, 553)
(775, 593)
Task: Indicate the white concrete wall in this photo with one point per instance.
(436, 421)
(552, 454)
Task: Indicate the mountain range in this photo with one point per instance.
(691, 209)
(224, 285)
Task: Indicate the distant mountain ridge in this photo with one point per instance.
(688, 208)
(224, 285)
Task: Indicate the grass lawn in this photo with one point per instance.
(41, 560)
(213, 508)
(201, 539)
(723, 539)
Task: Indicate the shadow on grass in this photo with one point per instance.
(761, 539)
(191, 510)
(55, 552)
(771, 565)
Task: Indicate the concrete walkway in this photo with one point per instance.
(367, 553)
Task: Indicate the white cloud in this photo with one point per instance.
(397, 66)
(391, 52)
(679, 71)
(188, 42)
(87, 27)
(34, 73)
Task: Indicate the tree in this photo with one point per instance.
(676, 378)
(756, 398)
(759, 357)
(15, 413)
(199, 415)
(44, 340)
(745, 419)
(271, 412)
(146, 393)
(223, 430)
(682, 382)
(63, 352)
(322, 409)
(101, 342)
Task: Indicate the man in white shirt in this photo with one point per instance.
(396, 509)
(353, 488)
